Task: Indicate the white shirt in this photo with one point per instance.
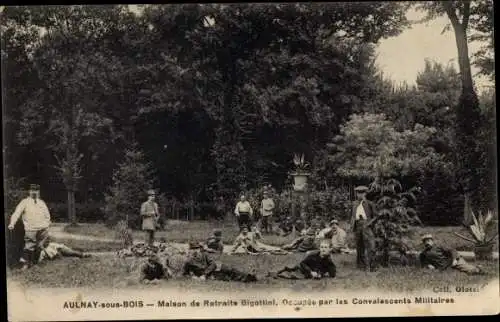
(360, 211)
(35, 216)
(243, 207)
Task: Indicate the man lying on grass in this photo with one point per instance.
(214, 243)
(50, 250)
(316, 265)
(304, 243)
(435, 257)
(152, 271)
(249, 242)
(200, 266)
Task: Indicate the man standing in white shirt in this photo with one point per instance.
(36, 220)
(362, 211)
(243, 212)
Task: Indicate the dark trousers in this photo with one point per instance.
(365, 246)
(266, 224)
(150, 235)
(33, 242)
(244, 220)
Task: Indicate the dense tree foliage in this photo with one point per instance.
(219, 98)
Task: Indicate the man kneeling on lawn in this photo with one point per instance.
(317, 264)
(50, 250)
(200, 266)
(435, 257)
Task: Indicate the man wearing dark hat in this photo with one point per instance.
(435, 257)
(200, 266)
(362, 212)
(304, 243)
(150, 215)
(153, 270)
(214, 243)
(36, 219)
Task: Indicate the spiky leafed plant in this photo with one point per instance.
(300, 164)
(481, 234)
(395, 214)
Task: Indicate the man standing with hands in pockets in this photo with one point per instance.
(150, 214)
(36, 219)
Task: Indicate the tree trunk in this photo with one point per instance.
(71, 207)
(468, 117)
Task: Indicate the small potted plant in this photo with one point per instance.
(481, 235)
(301, 173)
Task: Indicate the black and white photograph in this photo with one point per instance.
(249, 160)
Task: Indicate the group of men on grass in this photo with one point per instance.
(318, 243)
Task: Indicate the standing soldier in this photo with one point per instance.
(36, 220)
(362, 212)
(243, 212)
(267, 210)
(150, 214)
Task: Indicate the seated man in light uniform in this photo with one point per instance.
(244, 213)
(51, 250)
(337, 236)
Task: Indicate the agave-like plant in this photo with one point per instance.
(479, 230)
(300, 163)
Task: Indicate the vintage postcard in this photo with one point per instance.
(249, 160)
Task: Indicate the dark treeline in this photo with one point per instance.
(218, 98)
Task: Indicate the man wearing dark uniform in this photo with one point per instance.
(153, 270)
(200, 266)
(362, 212)
(435, 257)
(304, 243)
(317, 264)
(214, 243)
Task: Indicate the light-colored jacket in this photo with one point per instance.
(35, 216)
(267, 207)
(150, 214)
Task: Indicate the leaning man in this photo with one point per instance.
(36, 220)
(436, 257)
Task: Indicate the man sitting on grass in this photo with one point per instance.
(435, 257)
(337, 236)
(214, 243)
(200, 267)
(152, 271)
(245, 243)
(50, 250)
(316, 265)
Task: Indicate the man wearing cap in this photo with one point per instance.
(200, 266)
(36, 219)
(267, 209)
(214, 243)
(153, 270)
(362, 212)
(150, 214)
(304, 243)
(337, 236)
(435, 257)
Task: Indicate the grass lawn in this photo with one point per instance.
(108, 271)
(182, 231)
